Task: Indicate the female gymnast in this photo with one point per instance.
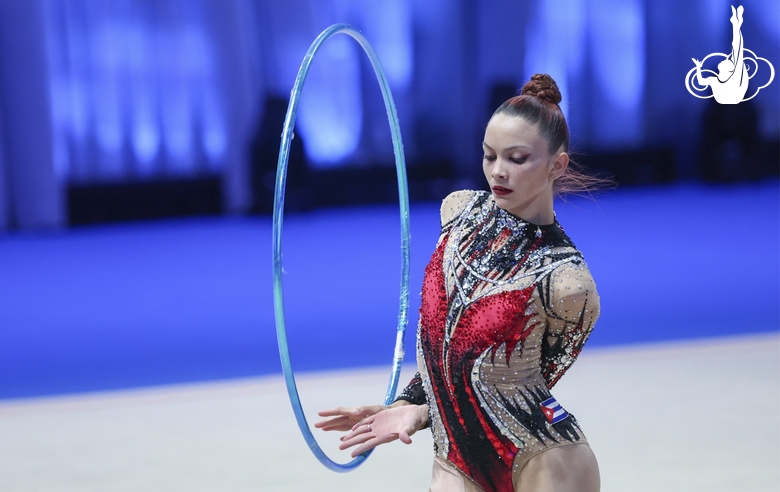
(507, 304)
(731, 84)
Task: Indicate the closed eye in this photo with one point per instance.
(489, 157)
(519, 160)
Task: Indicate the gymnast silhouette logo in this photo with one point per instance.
(730, 84)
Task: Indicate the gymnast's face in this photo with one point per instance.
(518, 168)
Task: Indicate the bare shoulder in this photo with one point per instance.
(454, 203)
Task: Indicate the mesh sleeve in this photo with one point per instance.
(414, 392)
(573, 308)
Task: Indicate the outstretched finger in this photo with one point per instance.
(338, 411)
(366, 421)
(336, 423)
(333, 420)
(356, 431)
(356, 439)
(372, 443)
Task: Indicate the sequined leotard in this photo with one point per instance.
(506, 308)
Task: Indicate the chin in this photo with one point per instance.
(503, 203)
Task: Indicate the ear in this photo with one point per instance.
(560, 164)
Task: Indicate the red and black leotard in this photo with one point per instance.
(506, 308)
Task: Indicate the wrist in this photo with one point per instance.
(399, 403)
(422, 413)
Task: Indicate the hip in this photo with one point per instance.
(553, 467)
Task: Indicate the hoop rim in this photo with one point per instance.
(278, 214)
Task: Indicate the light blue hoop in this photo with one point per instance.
(403, 195)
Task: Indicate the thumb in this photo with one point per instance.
(404, 437)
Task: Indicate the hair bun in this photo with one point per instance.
(543, 87)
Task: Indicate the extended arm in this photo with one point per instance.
(372, 425)
(699, 79)
(386, 426)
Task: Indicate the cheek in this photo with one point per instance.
(539, 172)
(521, 176)
(529, 178)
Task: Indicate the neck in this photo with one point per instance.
(535, 214)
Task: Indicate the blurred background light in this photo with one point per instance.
(138, 79)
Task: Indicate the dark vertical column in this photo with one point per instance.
(445, 81)
(34, 189)
(501, 54)
(675, 31)
(470, 127)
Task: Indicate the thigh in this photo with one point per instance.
(447, 478)
(570, 468)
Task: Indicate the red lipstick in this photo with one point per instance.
(501, 191)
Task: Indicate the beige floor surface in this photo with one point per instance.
(693, 416)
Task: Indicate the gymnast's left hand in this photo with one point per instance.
(385, 426)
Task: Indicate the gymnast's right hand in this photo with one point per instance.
(344, 418)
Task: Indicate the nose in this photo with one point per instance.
(498, 170)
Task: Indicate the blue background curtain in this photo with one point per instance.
(125, 91)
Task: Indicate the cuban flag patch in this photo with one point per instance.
(553, 411)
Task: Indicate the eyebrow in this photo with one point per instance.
(484, 144)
